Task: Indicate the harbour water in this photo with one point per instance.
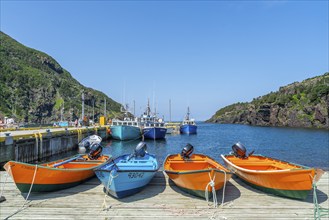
(307, 147)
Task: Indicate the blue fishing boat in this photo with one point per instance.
(126, 129)
(154, 131)
(129, 173)
(152, 126)
(188, 125)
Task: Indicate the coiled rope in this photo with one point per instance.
(213, 190)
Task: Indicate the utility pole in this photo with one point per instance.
(62, 111)
(83, 105)
(104, 106)
(93, 109)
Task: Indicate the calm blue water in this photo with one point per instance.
(302, 146)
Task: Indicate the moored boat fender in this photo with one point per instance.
(95, 151)
(187, 151)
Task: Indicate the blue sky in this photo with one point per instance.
(202, 54)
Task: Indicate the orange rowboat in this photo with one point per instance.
(55, 175)
(196, 174)
(271, 175)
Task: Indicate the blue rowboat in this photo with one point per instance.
(125, 132)
(154, 132)
(129, 173)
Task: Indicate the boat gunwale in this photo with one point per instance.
(302, 168)
(197, 171)
(58, 168)
(124, 126)
(123, 170)
(126, 171)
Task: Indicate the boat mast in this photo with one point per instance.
(148, 109)
(188, 113)
(169, 110)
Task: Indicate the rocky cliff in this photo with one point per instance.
(300, 104)
(34, 87)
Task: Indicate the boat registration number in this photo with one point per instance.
(134, 175)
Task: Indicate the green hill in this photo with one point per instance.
(34, 87)
(300, 104)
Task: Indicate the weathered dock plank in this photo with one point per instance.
(160, 199)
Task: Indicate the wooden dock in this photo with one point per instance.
(161, 199)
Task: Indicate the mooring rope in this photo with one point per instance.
(3, 186)
(318, 210)
(109, 183)
(213, 190)
(224, 188)
(212, 185)
(27, 197)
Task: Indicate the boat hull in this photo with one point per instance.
(122, 179)
(188, 129)
(125, 132)
(48, 178)
(195, 183)
(154, 133)
(124, 183)
(194, 175)
(273, 176)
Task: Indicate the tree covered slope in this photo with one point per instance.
(300, 104)
(34, 87)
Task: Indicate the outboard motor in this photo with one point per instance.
(140, 150)
(239, 150)
(187, 151)
(86, 144)
(95, 152)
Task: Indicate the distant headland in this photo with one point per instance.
(300, 104)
